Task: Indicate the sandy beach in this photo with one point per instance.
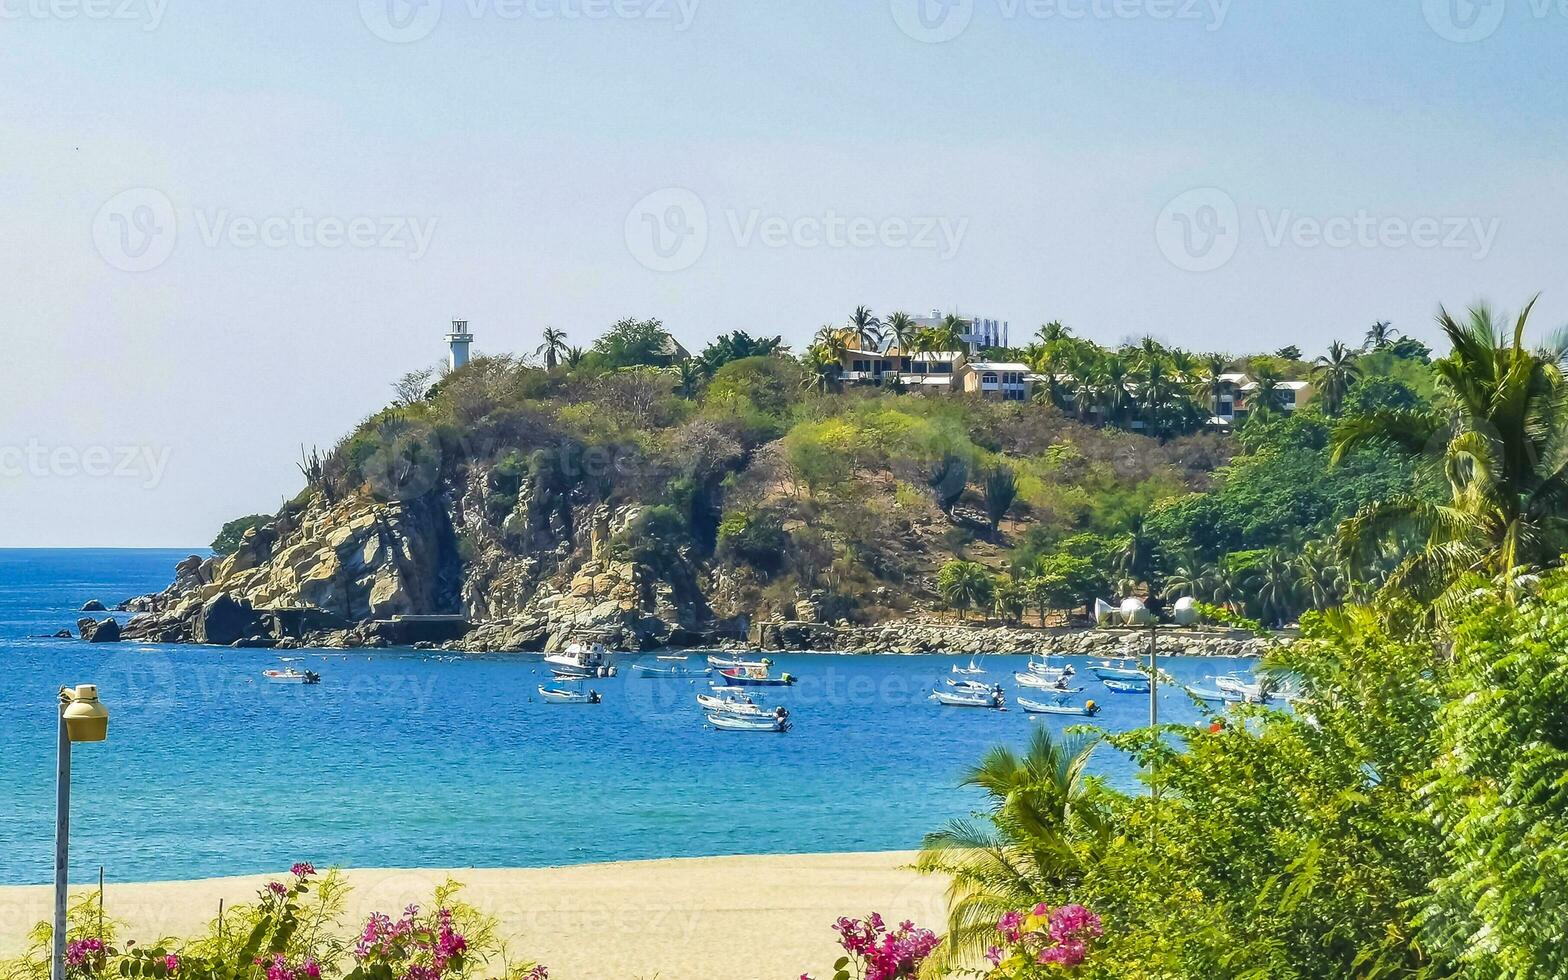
(728, 918)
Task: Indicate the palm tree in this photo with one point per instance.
(553, 348)
(1211, 384)
(1269, 393)
(689, 376)
(573, 356)
(1134, 554)
(1157, 394)
(1188, 577)
(964, 585)
(1115, 387)
(1041, 833)
(1230, 586)
(1051, 332)
(822, 368)
(901, 329)
(1502, 446)
(1320, 582)
(866, 327)
(1380, 335)
(1274, 582)
(1335, 372)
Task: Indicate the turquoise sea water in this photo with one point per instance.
(401, 759)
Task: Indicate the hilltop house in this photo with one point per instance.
(938, 371)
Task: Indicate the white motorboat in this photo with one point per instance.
(1123, 669)
(730, 663)
(735, 723)
(992, 698)
(673, 656)
(1205, 694)
(970, 685)
(1041, 682)
(291, 676)
(581, 660)
(649, 670)
(972, 670)
(1122, 685)
(733, 702)
(1241, 689)
(558, 696)
(1046, 669)
(1086, 710)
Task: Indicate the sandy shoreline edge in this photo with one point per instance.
(767, 916)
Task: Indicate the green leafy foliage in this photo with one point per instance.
(228, 540)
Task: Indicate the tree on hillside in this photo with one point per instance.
(866, 327)
(1290, 353)
(1051, 332)
(413, 387)
(1380, 335)
(964, 585)
(228, 540)
(735, 346)
(1210, 385)
(948, 479)
(1502, 448)
(689, 376)
(632, 343)
(1334, 373)
(553, 348)
(1001, 491)
(573, 356)
(901, 329)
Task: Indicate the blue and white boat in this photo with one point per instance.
(1121, 685)
(736, 723)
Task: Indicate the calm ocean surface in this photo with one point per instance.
(398, 759)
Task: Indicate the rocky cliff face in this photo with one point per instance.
(525, 567)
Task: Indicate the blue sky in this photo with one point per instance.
(1037, 165)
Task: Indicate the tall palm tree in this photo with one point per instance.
(1502, 447)
(1052, 332)
(1274, 583)
(1188, 576)
(867, 328)
(1040, 834)
(1334, 373)
(1321, 579)
(1380, 335)
(1209, 386)
(1116, 387)
(554, 347)
(573, 356)
(901, 329)
(821, 369)
(1156, 395)
(964, 585)
(834, 340)
(1269, 395)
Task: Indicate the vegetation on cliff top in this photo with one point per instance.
(769, 470)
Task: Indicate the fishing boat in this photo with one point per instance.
(722, 663)
(1122, 669)
(581, 660)
(734, 723)
(672, 656)
(291, 676)
(1041, 682)
(1205, 694)
(735, 702)
(1045, 668)
(969, 685)
(991, 698)
(1241, 689)
(558, 696)
(649, 670)
(1086, 710)
(756, 676)
(1126, 686)
(972, 670)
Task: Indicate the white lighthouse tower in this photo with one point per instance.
(457, 342)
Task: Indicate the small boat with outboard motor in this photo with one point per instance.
(559, 696)
(1086, 710)
(291, 676)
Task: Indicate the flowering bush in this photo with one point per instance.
(1041, 941)
(877, 954)
(290, 933)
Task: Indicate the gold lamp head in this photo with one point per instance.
(86, 719)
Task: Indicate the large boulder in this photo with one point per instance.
(224, 619)
(95, 631)
(94, 605)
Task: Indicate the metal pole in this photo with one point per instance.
(62, 844)
(1154, 674)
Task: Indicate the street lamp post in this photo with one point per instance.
(82, 719)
